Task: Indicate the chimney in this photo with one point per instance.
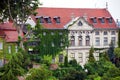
(85, 16)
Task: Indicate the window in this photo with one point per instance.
(72, 41)
(97, 41)
(80, 40)
(53, 60)
(9, 49)
(1, 45)
(102, 20)
(109, 19)
(105, 33)
(80, 56)
(52, 44)
(41, 20)
(112, 32)
(73, 55)
(61, 58)
(80, 23)
(16, 49)
(96, 32)
(97, 56)
(113, 39)
(87, 41)
(87, 56)
(57, 19)
(105, 41)
(48, 19)
(44, 33)
(94, 19)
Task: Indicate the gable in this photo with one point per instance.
(80, 24)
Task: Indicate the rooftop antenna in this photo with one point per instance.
(106, 5)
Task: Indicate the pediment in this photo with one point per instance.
(80, 24)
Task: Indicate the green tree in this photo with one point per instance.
(111, 52)
(119, 38)
(18, 11)
(91, 56)
(17, 66)
(39, 74)
(117, 56)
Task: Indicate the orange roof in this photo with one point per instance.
(9, 32)
(65, 15)
(11, 36)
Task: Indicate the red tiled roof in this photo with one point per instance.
(7, 26)
(9, 31)
(65, 15)
(11, 36)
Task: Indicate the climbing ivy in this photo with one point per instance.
(51, 41)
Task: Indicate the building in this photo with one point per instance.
(88, 27)
(8, 40)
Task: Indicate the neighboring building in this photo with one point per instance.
(8, 40)
(87, 27)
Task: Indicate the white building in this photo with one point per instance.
(88, 27)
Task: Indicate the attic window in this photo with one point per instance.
(94, 19)
(57, 19)
(80, 23)
(102, 20)
(40, 19)
(48, 19)
(109, 19)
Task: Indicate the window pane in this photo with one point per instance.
(72, 55)
(1, 45)
(97, 41)
(97, 33)
(105, 41)
(61, 58)
(80, 56)
(105, 32)
(113, 33)
(113, 39)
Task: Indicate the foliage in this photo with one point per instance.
(66, 61)
(73, 62)
(17, 65)
(13, 68)
(111, 51)
(39, 74)
(119, 38)
(99, 67)
(52, 41)
(117, 56)
(91, 56)
(112, 74)
(70, 73)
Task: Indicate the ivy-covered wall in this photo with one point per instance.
(50, 43)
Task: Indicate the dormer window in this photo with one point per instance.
(80, 23)
(48, 19)
(94, 19)
(109, 19)
(57, 19)
(102, 20)
(41, 19)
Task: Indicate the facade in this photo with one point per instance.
(8, 40)
(88, 27)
